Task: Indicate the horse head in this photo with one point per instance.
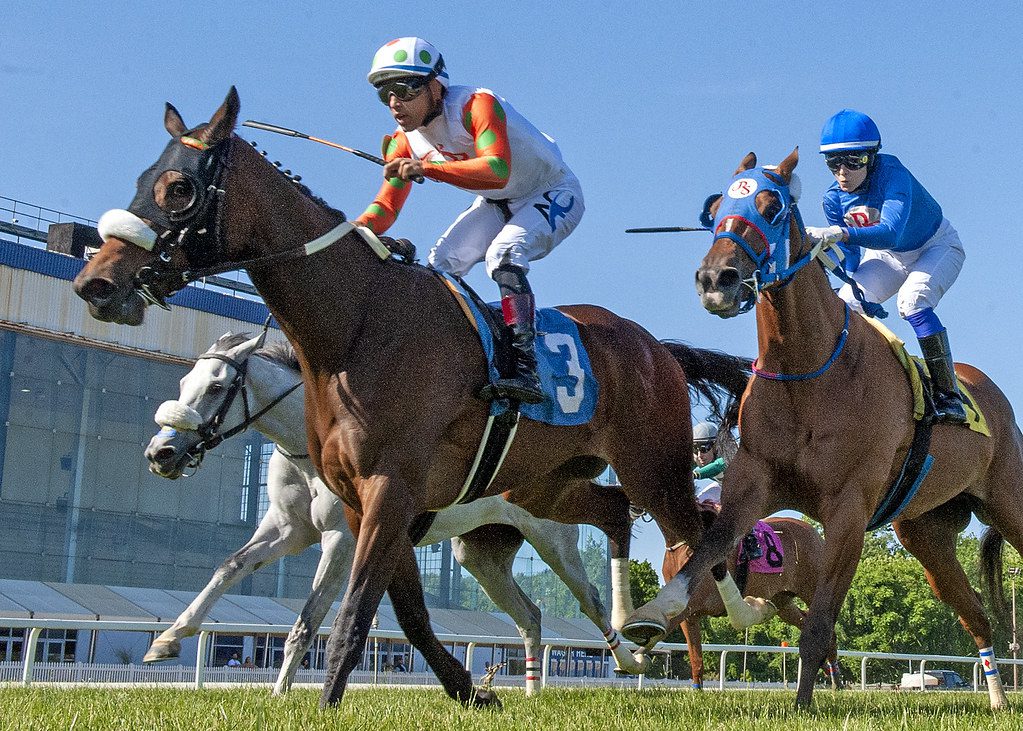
(174, 227)
(756, 235)
(208, 400)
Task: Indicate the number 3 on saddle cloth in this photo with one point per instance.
(760, 552)
(562, 363)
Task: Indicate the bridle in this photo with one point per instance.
(209, 431)
(196, 229)
(773, 265)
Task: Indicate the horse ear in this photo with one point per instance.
(789, 164)
(222, 123)
(173, 121)
(748, 162)
(247, 348)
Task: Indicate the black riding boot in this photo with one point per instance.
(519, 314)
(948, 402)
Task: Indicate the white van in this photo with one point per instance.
(935, 680)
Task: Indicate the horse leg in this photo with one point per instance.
(382, 544)
(406, 592)
(842, 547)
(267, 544)
(331, 572)
(790, 613)
(558, 546)
(488, 553)
(694, 645)
(933, 540)
(621, 591)
(740, 510)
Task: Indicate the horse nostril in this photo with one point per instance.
(728, 278)
(96, 289)
(163, 454)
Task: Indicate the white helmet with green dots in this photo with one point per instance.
(404, 57)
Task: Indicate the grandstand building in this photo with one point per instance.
(85, 529)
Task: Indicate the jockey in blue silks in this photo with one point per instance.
(895, 240)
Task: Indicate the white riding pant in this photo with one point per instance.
(920, 276)
(538, 223)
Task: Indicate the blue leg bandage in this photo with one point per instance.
(925, 323)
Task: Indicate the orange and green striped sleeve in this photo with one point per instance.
(484, 118)
(384, 209)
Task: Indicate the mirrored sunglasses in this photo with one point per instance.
(851, 160)
(703, 447)
(404, 89)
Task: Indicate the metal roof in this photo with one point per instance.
(51, 600)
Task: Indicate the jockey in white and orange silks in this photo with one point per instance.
(528, 200)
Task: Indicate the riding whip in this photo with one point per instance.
(664, 230)
(294, 133)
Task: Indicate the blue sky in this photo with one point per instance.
(653, 105)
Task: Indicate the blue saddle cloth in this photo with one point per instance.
(562, 365)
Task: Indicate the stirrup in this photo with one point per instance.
(950, 410)
(513, 389)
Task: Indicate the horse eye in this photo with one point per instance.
(179, 188)
(216, 388)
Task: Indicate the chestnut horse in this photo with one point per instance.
(831, 438)
(392, 370)
(803, 549)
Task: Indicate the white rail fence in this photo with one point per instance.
(28, 670)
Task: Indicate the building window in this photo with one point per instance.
(11, 643)
(57, 645)
(264, 451)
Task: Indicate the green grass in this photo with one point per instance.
(139, 709)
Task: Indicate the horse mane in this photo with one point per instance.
(293, 180)
(282, 353)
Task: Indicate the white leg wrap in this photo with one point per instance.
(995, 691)
(625, 661)
(532, 675)
(621, 594)
(743, 613)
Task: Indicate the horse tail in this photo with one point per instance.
(991, 544)
(716, 379)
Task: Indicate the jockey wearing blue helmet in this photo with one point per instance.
(896, 241)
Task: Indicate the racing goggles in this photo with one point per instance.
(852, 160)
(406, 88)
(701, 447)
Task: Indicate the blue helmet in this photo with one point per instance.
(850, 130)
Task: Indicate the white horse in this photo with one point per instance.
(237, 382)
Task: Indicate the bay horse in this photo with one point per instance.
(803, 549)
(826, 424)
(240, 382)
(392, 369)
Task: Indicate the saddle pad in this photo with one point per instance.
(772, 555)
(974, 417)
(562, 364)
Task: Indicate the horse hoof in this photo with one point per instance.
(162, 651)
(646, 627)
(485, 699)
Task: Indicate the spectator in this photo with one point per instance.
(248, 662)
(234, 662)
